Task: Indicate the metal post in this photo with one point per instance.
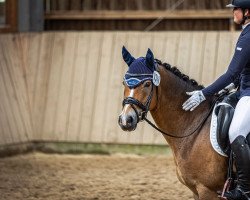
(30, 15)
(23, 16)
(36, 15)
(231, 25)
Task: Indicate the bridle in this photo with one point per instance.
(145, 108)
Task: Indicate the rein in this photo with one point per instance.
(197, 128)
(145, 108)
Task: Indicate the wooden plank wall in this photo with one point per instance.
(140, 25)
(67, 86)
(15, 113)
(132, 4)
(69, 7)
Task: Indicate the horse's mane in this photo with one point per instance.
(179, 74)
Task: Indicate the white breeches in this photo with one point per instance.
(240, 124)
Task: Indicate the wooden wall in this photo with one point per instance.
(132, 4)
(139, 25)
(67, 8)
(67, 86)
(16, 123)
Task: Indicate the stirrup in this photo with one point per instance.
(246, 194)
(243, 195)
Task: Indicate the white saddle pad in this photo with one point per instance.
(213, 134)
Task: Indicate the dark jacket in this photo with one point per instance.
(239, 67)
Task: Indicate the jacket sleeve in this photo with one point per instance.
(236, 81)
(238, 62)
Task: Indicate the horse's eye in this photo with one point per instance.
(147, 84)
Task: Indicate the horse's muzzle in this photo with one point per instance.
(127, 122)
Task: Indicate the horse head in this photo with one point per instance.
(139, 94)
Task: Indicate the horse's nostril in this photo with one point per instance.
(119, 120)
(130, 120)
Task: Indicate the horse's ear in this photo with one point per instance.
(127, 56)
(150, 59)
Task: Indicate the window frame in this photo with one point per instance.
(11, 17)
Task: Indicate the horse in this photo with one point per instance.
(161, 89)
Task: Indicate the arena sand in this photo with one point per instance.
(40, 176)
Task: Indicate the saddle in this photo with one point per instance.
(225, 111)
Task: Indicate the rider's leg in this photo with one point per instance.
(240, 124)
(239, 129)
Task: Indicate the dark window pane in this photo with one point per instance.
(2, 12)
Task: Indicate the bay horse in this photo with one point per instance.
(198, 166)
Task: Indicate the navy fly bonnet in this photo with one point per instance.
(140, 69)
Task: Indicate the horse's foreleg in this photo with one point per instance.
(206, 194)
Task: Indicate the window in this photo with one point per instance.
(8, 16)
(2, 12)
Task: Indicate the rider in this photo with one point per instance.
(240, 126)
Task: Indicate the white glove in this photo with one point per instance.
(230, 87)
(196, 98)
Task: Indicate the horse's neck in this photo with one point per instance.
(170, 116)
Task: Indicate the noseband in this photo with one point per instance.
(134, 102)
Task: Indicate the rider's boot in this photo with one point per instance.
(241, 152)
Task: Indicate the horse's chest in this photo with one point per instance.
(180, 176)
(185, 176)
